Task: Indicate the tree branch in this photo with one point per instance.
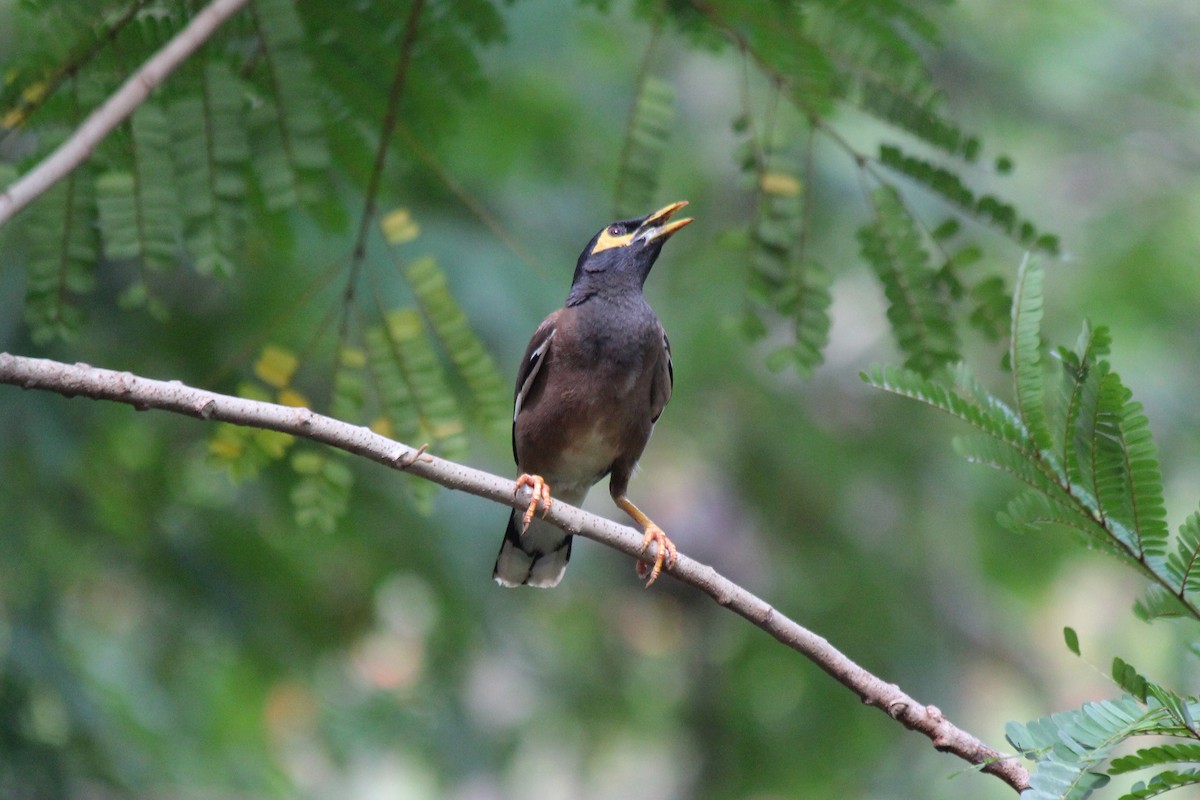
(142, 393)
(76, 149)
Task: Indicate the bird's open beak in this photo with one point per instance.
(656, 226)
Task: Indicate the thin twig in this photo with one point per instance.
(391, 119)
(75, 150)
(143, 393)
(16, 117)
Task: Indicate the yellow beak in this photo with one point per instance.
(657, 226)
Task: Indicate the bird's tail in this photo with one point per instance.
(537, 557)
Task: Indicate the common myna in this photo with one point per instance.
(594, 380)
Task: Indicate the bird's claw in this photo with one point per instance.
(540, 496)
(665, 553)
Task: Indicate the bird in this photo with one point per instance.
(595, 378)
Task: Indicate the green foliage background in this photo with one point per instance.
(287, 622)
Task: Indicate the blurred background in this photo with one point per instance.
(169, 631)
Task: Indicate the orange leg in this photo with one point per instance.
(541, 495)
(664, 548)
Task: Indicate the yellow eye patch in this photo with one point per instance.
(607, 241)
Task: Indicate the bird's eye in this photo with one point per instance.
(615, 230)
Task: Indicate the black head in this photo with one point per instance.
(619, 257)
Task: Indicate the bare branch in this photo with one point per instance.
(143, 393)
(75, 150)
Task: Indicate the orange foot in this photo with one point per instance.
(664, 553)
(541, 496)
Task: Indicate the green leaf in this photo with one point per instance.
(349, 385)
(920, 318)
(946, 184)
(1081, 371)
(409, 348)
(1158, 603)
(1071, 745)
(471, 360)
(138, 212)
(981, 410)
(784, 283)
(212, 151)
(1002, 456)
(1031, 510)
(1129, 679)
(1026, 352)
(1183, 565)
(1156, 756)
(1119, 465)
(1072, 640)
(291, 152)
(1161, 784)
(644, 149)
(321, 495)
(62, 258)
(990, 312)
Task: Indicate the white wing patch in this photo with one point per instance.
(535, 364)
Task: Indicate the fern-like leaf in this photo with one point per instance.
(1147, 508)
(990, 312)
(349, 389)
(138, 210)
(783, 280)
(1160, 603)
(321, 495)
(471, 360)
(291, 151)
(1026, 352)
(1183, 565)
(1155, 757)
(1032, 510)
(768, 30)
(807, 305)
(1070, 745)
(399, 416)
(1120, 466)
(981, 411)
(645, 147)
(946, 183)
(999, 455)
(434, 403)
(1081, 372)
(921, 319)
(1162, 783)
(211, 153)
(63, 251)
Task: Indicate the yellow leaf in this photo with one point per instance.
(34, 92)
(276, 366)
(780, 183)
(404, 324)
(290, 397)
(399, 227)
(354, 357)
(383, 426)
(12, 119)
(273, 443)
(446, 429)
(226, 447)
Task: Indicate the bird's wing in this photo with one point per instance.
(664, 381)
(531, 365)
